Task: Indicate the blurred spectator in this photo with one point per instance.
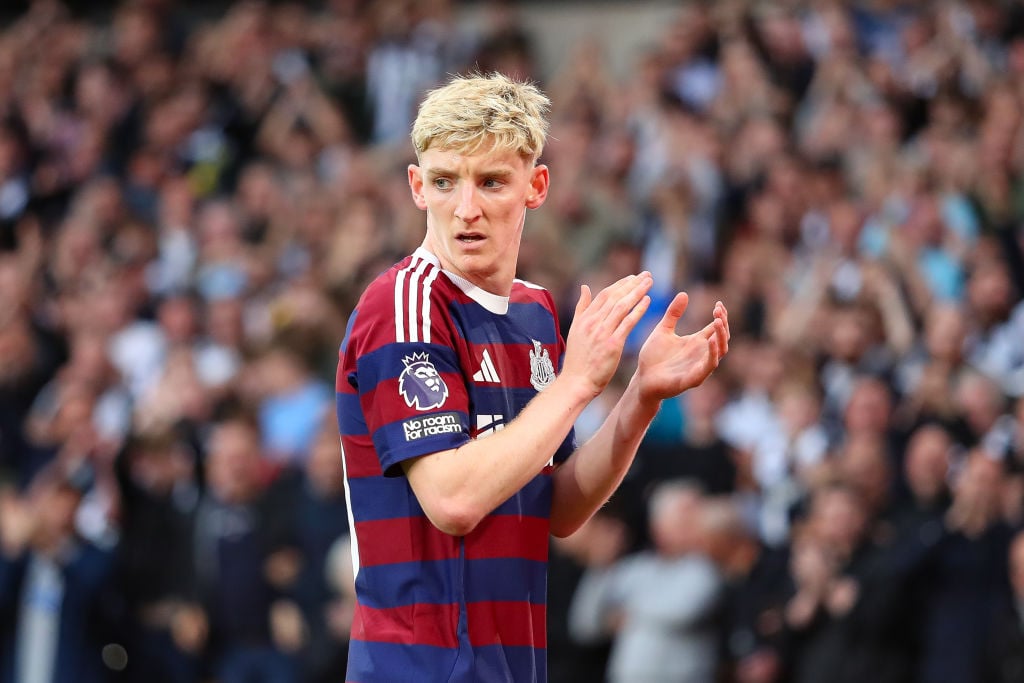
(845, 617)
(595, 546)
(927, 466)
(56, 585)
(292, 404)
(313, 502)
(787, 456)
(1004, 651)
(984, 410)
(926, 374)
(160, 495)
(968, 579)
(249, 627)
(997, 322)
(406, 60)
(657, 604)
(700, 454)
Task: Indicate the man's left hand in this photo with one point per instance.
(669, 364)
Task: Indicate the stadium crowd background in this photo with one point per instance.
(189, 205)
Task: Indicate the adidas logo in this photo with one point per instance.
(486, 373)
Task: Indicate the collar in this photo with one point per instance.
(492, 302)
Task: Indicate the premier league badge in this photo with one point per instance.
(542, 372)
(420, 384)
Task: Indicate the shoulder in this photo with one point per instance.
(524, 291)
(403, 303)
(411, 282)
(527, 289)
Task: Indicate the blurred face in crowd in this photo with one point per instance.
(989, 292)
(848, 334)
(16, 351)
(55, 506)
(323, 469)
(798, 406)
(979, 488)
(869, 407)
(157, 466)
(674, 517)
(703, 402)
(476, 206)
(177, 316)
(980, 401)
(865, 466)
(927, 462)
(838, 519)
(233, 463)
(224, 319)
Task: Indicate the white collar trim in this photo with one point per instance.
(492, 302)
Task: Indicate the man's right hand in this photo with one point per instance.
(599, 330)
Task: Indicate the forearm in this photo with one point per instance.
(590, 476)
(458, 487)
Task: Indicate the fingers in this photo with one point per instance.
(584, 301)
(723, 313)
(675, 311)
(634, 316)
(715, 344)
(616, 302)
(717, 334)
(723, 333)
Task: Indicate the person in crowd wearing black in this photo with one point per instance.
(57, 604)
(247, 625)
(317, 517)
(1004, 660)
(159, 499)
(844, 619)
(967, 579)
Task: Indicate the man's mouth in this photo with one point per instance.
(469, 237)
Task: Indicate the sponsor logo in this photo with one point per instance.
(488, 424)
(420, 384)
(431, 425)
(542, 372)
(487, 371)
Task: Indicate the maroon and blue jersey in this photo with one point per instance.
(429, 362)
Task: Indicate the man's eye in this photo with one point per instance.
(492, 183)
(442, 183)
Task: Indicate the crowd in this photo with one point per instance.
(189, 206)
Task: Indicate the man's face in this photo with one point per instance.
(476, 205)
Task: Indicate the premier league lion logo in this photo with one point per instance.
(420, 384)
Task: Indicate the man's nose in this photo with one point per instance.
(468, 208)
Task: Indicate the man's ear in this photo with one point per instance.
(416, 186)
(539, 182)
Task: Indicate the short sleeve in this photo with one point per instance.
(411, 386)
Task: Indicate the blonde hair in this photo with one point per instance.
(470, 112)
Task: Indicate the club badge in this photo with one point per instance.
(542, 372)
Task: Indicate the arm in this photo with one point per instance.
(896, 316)
(458, 487)
(667, 366)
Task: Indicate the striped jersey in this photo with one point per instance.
(430, 361)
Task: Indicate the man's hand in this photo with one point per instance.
(599, 329)
(670, 364)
